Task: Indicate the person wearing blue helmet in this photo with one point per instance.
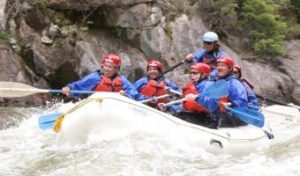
(209, 53)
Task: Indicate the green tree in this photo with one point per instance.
(264, 28)
(296, 5)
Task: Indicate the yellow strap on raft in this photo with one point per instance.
(58, 121)
(57, 124)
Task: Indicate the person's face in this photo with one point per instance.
(109, 69)
(153, 72)
(236, 72)
(223, 69)
(208, 46)
(195, 75)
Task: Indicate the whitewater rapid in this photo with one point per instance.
(27, 150)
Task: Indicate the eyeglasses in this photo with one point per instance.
(208, 43)
(194, 73)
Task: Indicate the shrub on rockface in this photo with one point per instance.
(264, 28)
(296, 6)
(4, 35)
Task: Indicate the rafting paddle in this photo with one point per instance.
(155, 98)
(277, 101)
(248, 115)
(15, 89)
(47, 121)
(217, 90)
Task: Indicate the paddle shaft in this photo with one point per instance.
(217, 90)
(153, 98)
(172, 68)
(276, 101)
(175, 102)
(174, 91)
(15, 89)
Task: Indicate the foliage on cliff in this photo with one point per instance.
(266, 23)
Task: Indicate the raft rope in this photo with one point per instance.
(58, 121)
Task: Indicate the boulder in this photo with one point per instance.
(86, 5)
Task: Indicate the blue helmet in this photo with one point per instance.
(210, 37)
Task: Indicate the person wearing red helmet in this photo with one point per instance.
(237, 96)
(153, 84)
(109, 80)
(252, 100)
(190, 110)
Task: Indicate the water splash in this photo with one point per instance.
(27, 150)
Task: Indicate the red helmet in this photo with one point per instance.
(155, 63)
(201, 67)
(227, 60)
(112, 58)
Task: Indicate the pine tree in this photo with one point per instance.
(263, 27)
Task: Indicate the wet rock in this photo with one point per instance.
(292, 65)
(46, 40)
(36, 19)
(85, 5)
(54, 30)
(136, 16)
(155, 43)
(185, 35)
(12, 41)
(13, 69)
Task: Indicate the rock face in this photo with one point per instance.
(58, 41)
(13, 69)
(79, 5)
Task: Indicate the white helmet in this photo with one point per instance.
(210, 37)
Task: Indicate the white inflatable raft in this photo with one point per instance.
(113, 113)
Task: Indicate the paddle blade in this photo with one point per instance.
(217, 90)
(249, 116)
(14, 89)
(48, 121)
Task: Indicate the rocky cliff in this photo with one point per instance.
(54, 42)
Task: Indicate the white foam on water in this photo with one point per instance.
(28, 150)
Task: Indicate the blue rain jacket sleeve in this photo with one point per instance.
(87, 83)
(140, 83)
(237, 96)
(214, 74)
(237, 93)
(200, 54)
(177, 108)
(130, 90)
(208, 103)
(172, 85)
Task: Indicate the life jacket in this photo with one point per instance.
(210, 58)
(109, 85)
(190, 88)
(153, 88)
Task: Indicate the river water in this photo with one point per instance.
(27, 150)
